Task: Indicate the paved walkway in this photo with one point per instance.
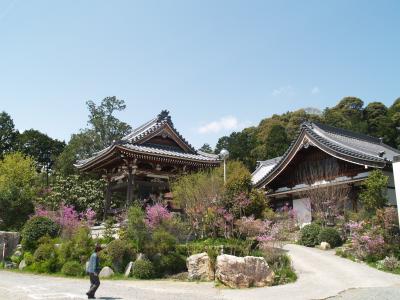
(321, 275)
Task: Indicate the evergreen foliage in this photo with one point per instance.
(374, 191)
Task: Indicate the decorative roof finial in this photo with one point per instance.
(164, 114)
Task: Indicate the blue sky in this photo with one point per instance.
(216, 65)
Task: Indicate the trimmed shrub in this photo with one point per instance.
(35, 228)
(331, 236)
(309, 235)
(72, 268)
(143, 269)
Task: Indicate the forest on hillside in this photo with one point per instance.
(274, 134)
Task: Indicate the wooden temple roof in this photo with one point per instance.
(343, 144)
(140, 144)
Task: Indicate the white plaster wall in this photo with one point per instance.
(302, 207)
(396, 173)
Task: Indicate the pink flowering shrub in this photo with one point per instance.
(368, 245)
(249, 227)
(367, 241)
(156, 214)
(68, 218)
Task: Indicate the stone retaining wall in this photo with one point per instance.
(8, 243)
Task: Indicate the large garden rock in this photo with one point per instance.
(128, 269)
(22, 265)
(106, 272)
(199, 267)
(325, 246)
(140, 256)
(243, 272)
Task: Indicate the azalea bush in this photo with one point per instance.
(389, 263)
(367, 242)
(68, 218)
(156, 214)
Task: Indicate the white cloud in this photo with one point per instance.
(283, 91)
(223, 124)
(315, 90)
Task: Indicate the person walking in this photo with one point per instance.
(93, 270)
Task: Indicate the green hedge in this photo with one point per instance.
(309, 235)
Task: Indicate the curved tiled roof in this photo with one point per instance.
(133, 142)
(344, 144)
(263, 169)
(153, 126)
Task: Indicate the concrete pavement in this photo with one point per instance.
(321, 275)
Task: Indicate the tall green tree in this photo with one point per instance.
(206, 148)
(40, 147)
(106, 126)
(103, 129)
(17, 191)
(394, 114)
(347, 114)
(379, 123)
(239, 145)
(8, 134)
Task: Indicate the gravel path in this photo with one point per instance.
(322, 275)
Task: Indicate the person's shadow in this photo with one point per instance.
(109, 298)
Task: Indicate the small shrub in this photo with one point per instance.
(170, 264)
(35, 228)
(16, 259)
(281, 264)
(284, 275)
(331, 236)
(108, 231)
(120, 253)
(143, 269)
(45, 251)
(136, 230)
(388, 263)
(28, 257)
(162, 242)
(72, 268)
(309, 235)
(82, 245)
(45, 257)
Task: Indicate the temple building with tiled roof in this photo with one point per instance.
(143, 162)
(323, 155)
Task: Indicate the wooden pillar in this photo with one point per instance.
(130, 182)
(107, 198)
(129, 190)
